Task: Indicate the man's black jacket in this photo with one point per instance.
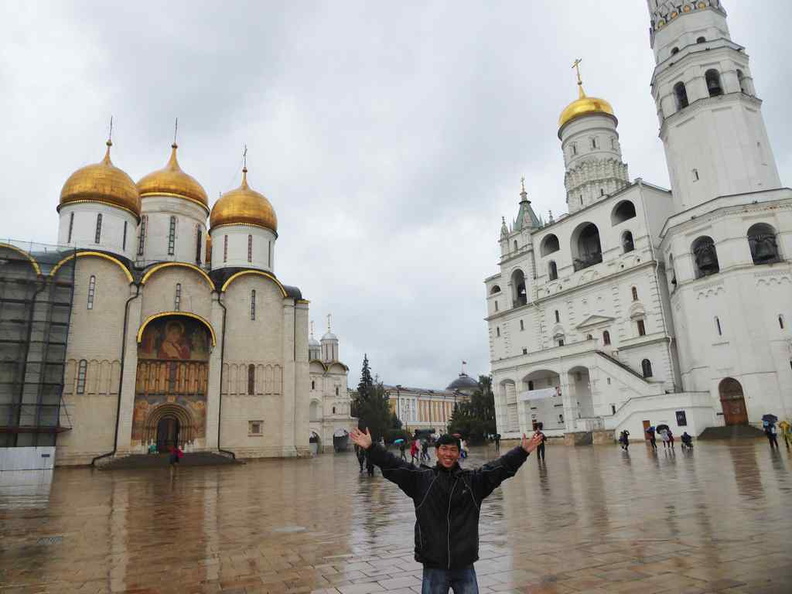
(447, 503)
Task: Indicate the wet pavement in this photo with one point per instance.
(590, 520)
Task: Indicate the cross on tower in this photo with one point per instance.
(576, 67)
(328, 323)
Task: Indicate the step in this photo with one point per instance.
(162, 461)
(732, 432)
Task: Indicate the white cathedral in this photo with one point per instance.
(641, 305)
(145, 328)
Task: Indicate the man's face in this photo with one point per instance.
(447, 455)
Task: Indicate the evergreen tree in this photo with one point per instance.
(371, 404)
(475, 418)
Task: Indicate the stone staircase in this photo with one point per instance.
(733, 432)
(161, 461)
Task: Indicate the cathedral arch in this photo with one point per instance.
(586, 246)
(713, 79)
(627, 242)
(183, 314)
(107, 257)
(680, 94)
(549, 244)
(705, 256)
(732, 402)
(257, 273)
(552, 270)
(519, 293)
(495, 289)
(623, 211)
(24, 254)
(314, 411)
(762, 241)
(154, 269)
(646, 368)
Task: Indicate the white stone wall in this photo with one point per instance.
(190, 219)
(236, 255)
(83, 233)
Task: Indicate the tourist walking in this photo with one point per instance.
(772, 434)
(664, 436)
(369, 462)
(624, 440)
(650, 432)
(174, 458)
(687, 441)
(447, 506)
(786, 431)
(414, 455)
(463, 449)
(670, 439)
(497, 443)
(402, 450)
(360, 453)
(424, 450)
(540, 450)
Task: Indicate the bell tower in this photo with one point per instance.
(710, 118)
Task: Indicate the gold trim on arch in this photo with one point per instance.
(180, 264)
(105, 202)
(173, 195)
(128, 274)
(14, 248)
(187, 314)
(258, 273)
(257, 226)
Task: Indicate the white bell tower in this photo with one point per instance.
(710, 117)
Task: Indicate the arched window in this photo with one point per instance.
(606, 337)
(701, 40)
(198, 244)
(705, 257)
(82, 371)
(520, 296)
(624, 211)
(497, 332)
(680, 92)
(336, 390)
(250, 248)
(762, 241)
(123, 239)
(557, 317)
(641, 325)
(142, 240)
(313, 384)
(781, 321)
(177, 298)
(586, 247)
(91, 291)
(522, 325)
(627, 242)
(646, 368)
(98, 234)
(495, 289)
(71, 227)
(496, 305)
(172, 236)
(251, 379)
(552, 270)
(713, 79)
(225, 248)
(743, 82)
(516, 247)
(253, 304)
(549, 245)
(574, 149)
(674, 51)
(634, 294)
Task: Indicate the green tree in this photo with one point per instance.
(475, 418)
(371, 403)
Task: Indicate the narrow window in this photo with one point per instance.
(680, 92)
(781, 321)
(713, 79)
(313, 384)
(628, 244)
(594, 143)
(91, 291)
(496, 305)
(516, 247)
(641, 328)
(198, 244)
(530, 385)
(613, 409)
(253, 304)
(251, 379)
(269, 253)
(336, 390)
(613, 143)
(172, 236)
(574, 149)
(525, 351)
(142, 240)
(560, 342)
(635, 294)
(741, 79)
(552, 270)
(602, 192)
(71, 227)
(98, 235)
(695, 174)
(646, 367)
(497, 332)
(82, 370)
(250, 248)
(334, 410)
(606, 337)
(718, 326)
(522, 325)
(177, 298)
(225, 248)
(557, 317)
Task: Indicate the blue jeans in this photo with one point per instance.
(438, 581)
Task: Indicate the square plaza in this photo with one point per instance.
(592, 519)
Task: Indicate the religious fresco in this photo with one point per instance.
(173, 368)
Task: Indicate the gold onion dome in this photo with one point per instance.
(243, 206)
(584, 105)
(172, 181)
(104, 183)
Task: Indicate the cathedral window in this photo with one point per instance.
(674, 51)
(177, 298)
(313, 384)
(496, 304)
(586, 247)
(718, 326)
(497, 332)
(525, 351)
(123, 240)
(255, 427)
(560, 342)
(71, 227)
(680, 92)
(624, 211)
(98, 235)
(705, 257)
(627, 242)
(520, 295)
(634, 294)
(781, 321)
(495, 289)
(557, 317)
(701, 40)
(334, 412)
(198, 244)
(549, 245)
(251, 387)
(336, 390)
(522, 325)
(614, 144)
(91, 291)
(253, 304)
(269, 253)
(646, 368)
(250, 248)
(695, 175)
(82, 371)
(552, 270)
(762, 241)
(641, 327)
(673, 271)
(172, 236)
(602, 192)
(743, 82)
(530, 385)
(714, 87)
(516, 247)
(594, 143)
(142, 239)
(225, 248)
(574, 149)
(606, 337)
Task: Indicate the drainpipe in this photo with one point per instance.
(121, 378)
(220, 392)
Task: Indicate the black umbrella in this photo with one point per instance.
(659, 428)
(770, 418)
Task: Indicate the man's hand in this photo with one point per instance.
(529, 445)
(363, 439)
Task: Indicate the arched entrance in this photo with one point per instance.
(172, 381)
(733, 402)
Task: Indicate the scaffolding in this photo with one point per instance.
(36, 290)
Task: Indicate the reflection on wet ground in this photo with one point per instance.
(592, 519)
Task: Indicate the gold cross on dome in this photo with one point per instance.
(576, 67)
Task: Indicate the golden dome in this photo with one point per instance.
(243, 206)
(584, 105)
(172, 181)
(102, 182)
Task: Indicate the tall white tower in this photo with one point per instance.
(710, 118)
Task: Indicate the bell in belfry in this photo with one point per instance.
(765, 249)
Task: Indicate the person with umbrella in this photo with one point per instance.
(650, 432)
(402, 448)
(786, 431)
(663, 431)
(769, 421)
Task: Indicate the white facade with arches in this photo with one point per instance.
(643, 304)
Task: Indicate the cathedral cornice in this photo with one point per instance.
(700, 105)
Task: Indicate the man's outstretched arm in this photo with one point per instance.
(488, 477)
(394, 469)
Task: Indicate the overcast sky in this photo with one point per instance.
(389, 136)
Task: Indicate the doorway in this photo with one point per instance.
(733, 402)
(646, 425)
(167, 434)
